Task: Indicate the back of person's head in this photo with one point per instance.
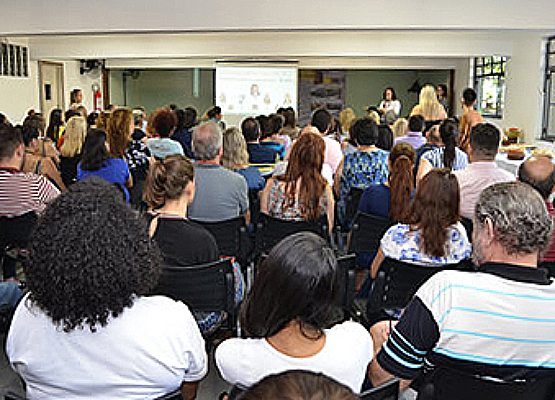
(167, 179)
(449, 131)
(416, 123)
(365, 131)
(484, 141)
(35, 121)
(400, 127)
(296, 283)
(74, 137)
(538, 172)
(433, 136)
(277, 121)
(321, 120)
(164, 122)
(71, 113)
(138, 118)
(469, 97)
(401, 179)
(235, 155)
(250, 129)
(94, 150)
(119, 131)
(55, 122)
(375, 116)
(190, 117)
(305, 163)
(214, 112)
(346, 119)
(30, 133)
(430, 108)
(92, 118)
(10, 140)
(180, 118)
(4, 119)
(290, 118)
(97, 279)
(385, 137)
(435, 207)
(207, 141)
(103, 120)
(298, 385)
(265, 126)
(518, 216)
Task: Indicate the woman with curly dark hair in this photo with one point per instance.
(163, 122)
(87, 328)
(432, 234)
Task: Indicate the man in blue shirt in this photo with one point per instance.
(262, 157)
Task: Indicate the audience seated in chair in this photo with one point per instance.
(71, 150)
(20, 192)
(321, 120)
(489, 333)
(88, 328)
(221, 194)
(236, 158)
(366, 166)
(136, 154)
(169, 189)
(432, 234)
(287, 316)
(163, 123)
(301, 194)
(262, 157)
(482, 170)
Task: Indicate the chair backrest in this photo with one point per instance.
(254, 206)
(230, 235)
(203, 287)
(351, 204)
(386, 391)
(346, 273)
(398, 281)
(16, 231)
(367, 231)
(271, 230)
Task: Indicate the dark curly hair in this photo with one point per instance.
(90, 256)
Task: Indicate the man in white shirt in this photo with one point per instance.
(482, 170)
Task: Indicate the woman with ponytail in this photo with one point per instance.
(391, 199)
(432, 234)
(448, 155)
(169, 189)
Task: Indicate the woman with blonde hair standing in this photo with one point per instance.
(75, 133)
(429, 107)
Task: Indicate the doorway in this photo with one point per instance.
(52, 86)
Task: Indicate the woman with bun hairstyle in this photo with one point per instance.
(169, 188)
(446, 156)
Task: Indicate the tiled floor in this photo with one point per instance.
(209, 389)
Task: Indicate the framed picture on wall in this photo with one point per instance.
(12, 59)
(18, 67)
(5, 59)
(24, 61)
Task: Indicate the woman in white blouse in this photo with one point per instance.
(390, 102)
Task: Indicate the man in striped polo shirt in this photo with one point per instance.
(490, 333)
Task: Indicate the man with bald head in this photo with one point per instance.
(539, 172)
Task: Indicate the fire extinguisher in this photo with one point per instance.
(97, 97)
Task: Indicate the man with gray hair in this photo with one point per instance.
(486, 333)
(221, 194)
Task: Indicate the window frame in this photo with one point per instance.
(548, 85)
(489, 64)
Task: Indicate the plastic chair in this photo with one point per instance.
(366, 232)
(386, 391)
(346, 271)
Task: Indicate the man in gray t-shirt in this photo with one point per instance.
(220, 193)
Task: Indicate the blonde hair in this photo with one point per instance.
(430, 108)
(373, 115)
(235, 155)
(74, 136)
(400, 127)
(346, 118)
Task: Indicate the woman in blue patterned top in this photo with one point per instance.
(366, 166)
(432, 234)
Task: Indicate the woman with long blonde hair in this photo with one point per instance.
(236, 158)
(429, 107)
(74, 138)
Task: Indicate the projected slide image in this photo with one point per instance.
(255, 90)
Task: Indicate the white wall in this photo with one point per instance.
(74, 80)
(39, 17)
(19, 94)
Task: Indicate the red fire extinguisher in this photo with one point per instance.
(97, 97)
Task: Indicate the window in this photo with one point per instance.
(489, 83)
(548, 125)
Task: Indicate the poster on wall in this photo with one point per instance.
(320, 89)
